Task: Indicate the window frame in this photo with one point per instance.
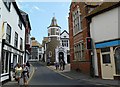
(16, 40)
(77, 21)
(8, 33)
(21, 43)
(79, 51)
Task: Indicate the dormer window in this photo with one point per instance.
(7, 4)
(64, 36)
(20, 24)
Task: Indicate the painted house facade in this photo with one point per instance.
(27, 36)
(80, 56)
(104, 31)
(12, 38)
(62, 51)
(36, 50)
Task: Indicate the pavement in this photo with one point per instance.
(32, 69)
(80, 76)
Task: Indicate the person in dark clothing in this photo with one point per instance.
(63, 65)
(24, 74)
(28, 65)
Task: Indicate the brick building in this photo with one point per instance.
(78, 31)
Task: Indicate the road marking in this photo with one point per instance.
(31, 73)
(60, 73)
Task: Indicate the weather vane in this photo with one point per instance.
(54, 14)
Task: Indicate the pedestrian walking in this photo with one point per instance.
(24, 73)
(56, 65)
(61, 64)
(28, 65)
(18, 73)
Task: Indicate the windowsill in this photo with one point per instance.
(116, 75)
(79, 60)
(4, 74)
(78, 32)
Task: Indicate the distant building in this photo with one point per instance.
(27, 36)
(36, 51)
(56, 45)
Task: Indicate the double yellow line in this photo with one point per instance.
(32, 73)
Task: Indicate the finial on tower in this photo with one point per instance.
(53, 14)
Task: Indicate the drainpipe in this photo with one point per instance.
(25, 45)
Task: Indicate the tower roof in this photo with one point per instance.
(54, 23)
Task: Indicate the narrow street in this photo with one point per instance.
(45, 76)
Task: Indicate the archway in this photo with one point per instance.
(117, 60)
(61, 56)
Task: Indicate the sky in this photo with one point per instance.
(41, 13)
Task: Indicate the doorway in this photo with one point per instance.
(106, 63)
(117, 60)
(61, 56)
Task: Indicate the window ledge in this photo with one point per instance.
(116, 75)
(78, 32)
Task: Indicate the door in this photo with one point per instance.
(61, 56)
(106, 65)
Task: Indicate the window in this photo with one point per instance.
(77, 21)
(50, 53)
(21, 44)
(53, 31)
(14, 60)
(5, 61)
(20, 24)
(79, 51)
(16, 40)
(48, 34)
(7, 4)
(65, 43)
(106, 58)
(57, 33)
(27, 38)
(20, 59)
(105, 55)
(8, 34)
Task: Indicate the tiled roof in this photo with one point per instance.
(103, 7)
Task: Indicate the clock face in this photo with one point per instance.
(50, 54)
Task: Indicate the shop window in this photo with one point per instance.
(117, 60)
(5, 61)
